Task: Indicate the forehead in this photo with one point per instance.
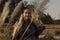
(26, 10)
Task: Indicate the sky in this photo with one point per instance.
(53, 8)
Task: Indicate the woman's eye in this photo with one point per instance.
(26, 12)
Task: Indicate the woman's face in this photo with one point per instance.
(26, 14)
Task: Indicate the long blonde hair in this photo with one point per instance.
(17, 26)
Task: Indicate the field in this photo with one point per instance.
(11, 9)
(50, 33)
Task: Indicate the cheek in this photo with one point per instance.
(23, 14)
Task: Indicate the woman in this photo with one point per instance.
(32, 32)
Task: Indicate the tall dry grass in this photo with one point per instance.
(39, 7)
(16, 10)
(4, 13)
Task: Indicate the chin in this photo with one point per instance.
(26, 19)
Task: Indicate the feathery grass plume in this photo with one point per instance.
(42, 4)
(4, 13)
(16, 10)
(39, 7)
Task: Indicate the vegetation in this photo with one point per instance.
(10, 11)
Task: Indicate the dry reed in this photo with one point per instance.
(4, 13)
(16, 10)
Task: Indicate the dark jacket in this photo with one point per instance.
(31, 33)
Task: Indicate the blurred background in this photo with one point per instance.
(48, 11)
